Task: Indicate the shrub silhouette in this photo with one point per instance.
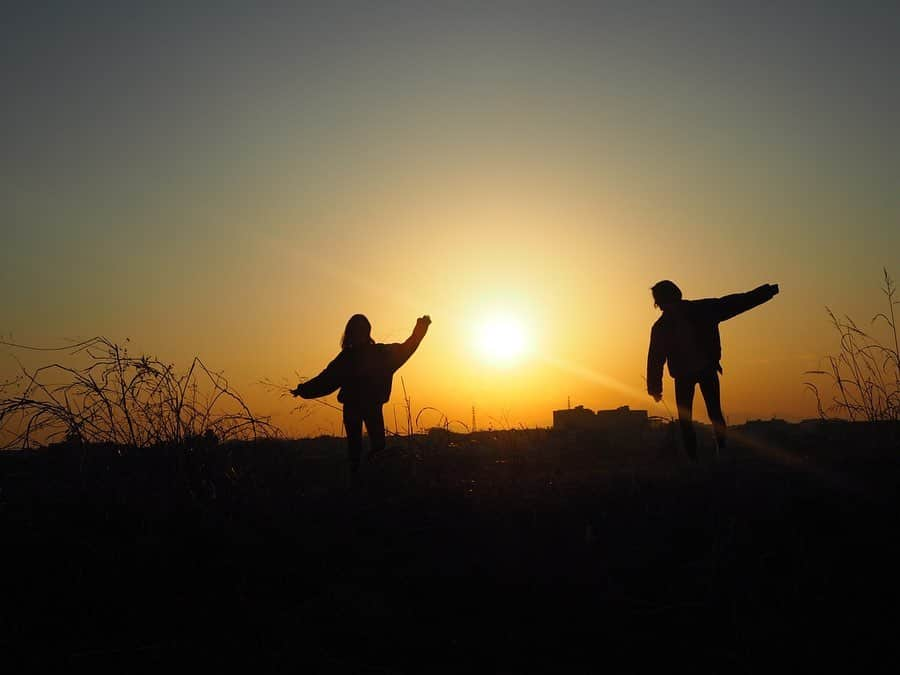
(865, 374)
(122, 400)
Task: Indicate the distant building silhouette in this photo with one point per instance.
(574, 419)
(618, 420)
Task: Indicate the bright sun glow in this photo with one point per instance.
(501, 340)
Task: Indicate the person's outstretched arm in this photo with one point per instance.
(401, 351)
(324, 383)
(656, 358)
(732, 305)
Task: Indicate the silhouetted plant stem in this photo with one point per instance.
(122, 400)
(866, 373)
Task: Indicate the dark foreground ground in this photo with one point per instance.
(512, 552)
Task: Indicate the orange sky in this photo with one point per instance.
(236, 187)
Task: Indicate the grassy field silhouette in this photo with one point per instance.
(508, 551)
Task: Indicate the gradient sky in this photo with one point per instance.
(235, 181)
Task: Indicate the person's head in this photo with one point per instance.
(358, 332)
(665, 293)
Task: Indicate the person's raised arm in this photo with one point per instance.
(322, 384)
(731, 305)
(656, 357)
(403, 350)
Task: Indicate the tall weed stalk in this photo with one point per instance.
(113, 397)
(864, 375)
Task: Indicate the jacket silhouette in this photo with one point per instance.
(686, 337)
(363, 373)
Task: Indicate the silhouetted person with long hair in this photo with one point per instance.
(363, 372)
(687, 337)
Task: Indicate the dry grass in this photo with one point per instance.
(865, 374)
(98, 393)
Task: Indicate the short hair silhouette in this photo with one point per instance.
(357, 332)
(665, 292)
(687, 337)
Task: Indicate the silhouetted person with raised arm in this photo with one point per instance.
(687, 337)
(363, 372)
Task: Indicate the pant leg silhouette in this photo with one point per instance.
(354, 417)
(374, 419)
(353, 421)
(709, 387)
(684, 399)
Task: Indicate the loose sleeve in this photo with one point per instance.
(326, 382)
(656, 358)
(401, 351)
(731, 305)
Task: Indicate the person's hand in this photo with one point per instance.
(423, 322)
(657, 397)
(774, 289)
(295, 392)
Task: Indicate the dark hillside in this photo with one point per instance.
(516, 551)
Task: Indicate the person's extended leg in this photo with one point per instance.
(353, 421)
(375, 426)
(709, 387)
(684, 399)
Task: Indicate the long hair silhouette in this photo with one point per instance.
(357, 332)
(362, 373)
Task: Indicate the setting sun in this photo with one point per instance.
(501, 340)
